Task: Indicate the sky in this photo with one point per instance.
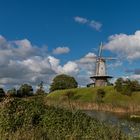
(40, 39)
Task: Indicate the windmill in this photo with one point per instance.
(101, 78)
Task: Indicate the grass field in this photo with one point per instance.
(88, 95)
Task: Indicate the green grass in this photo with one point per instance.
(89, 95)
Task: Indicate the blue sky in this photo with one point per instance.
(77, 26)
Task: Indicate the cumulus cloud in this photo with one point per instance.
(23, 62)
(91, 23)
(70, 68)
(86, 67)
(125, 46)
(61, 50)
(135, 77)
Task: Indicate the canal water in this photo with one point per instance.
(128, 123)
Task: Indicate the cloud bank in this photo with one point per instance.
(22, 62)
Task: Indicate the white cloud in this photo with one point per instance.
(95, 25)
(125, 46)
(88, 58)
(135, 77)
(21, 62)
(70, 68)
(25, 43)
(115, 64)
(91, 23)
(80, 20)
(61, 50)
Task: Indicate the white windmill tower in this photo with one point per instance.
(101, 78)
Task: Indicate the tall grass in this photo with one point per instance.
(31, 119)
(86, 97)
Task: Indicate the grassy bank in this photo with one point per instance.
(85, 98)
(31, 119)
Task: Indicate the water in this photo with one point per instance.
(130, 126)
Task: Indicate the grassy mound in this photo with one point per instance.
(31, 119)
(89, 95)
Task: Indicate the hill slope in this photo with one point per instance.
(88, 95)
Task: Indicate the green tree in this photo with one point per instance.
(25, 90)
(12, 92)
(135, 85)
(63, 82)
(2, 92)
(119, 84)
(127, 86)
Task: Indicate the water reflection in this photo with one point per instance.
(129, 125)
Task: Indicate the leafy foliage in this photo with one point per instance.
(63, 82)
(99, 95)
(2, 92)
(37, 121)
(25, 90)
(12, 92)
(127, 86)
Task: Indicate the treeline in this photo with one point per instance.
(127, 86)
(59, 82)
(24, 90)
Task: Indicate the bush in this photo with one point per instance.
(99, 95)
(12, 92)
(17, 113)
(31, 119)
(63, 82)
(2, 92)
(25, 90)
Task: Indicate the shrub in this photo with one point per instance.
(69, 94)
(12, 92)
(17, 113)
(2, 92)
(25, 90)
(31, 119)
(99, 95)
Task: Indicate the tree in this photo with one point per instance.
(135, 85)
(40, 89)
(25, 90)
(12, 92)
(118, 84)
(63, 82)
(2, 92)
(127, 86)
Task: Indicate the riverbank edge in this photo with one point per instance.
(106, 107)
